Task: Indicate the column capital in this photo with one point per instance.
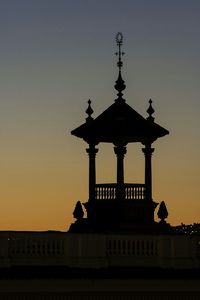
(148, 172)
(148, 150)
(120, 151)
(92, 170)
(92, 150)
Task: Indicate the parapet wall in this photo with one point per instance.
(98, 250)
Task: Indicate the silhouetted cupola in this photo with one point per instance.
(120, 206)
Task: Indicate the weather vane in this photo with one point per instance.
(119, 40)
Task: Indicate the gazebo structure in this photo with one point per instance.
(119, 207)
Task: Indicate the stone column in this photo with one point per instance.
(148, 170)
(92, 170)
(120, 151)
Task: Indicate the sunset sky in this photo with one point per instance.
(54, 56)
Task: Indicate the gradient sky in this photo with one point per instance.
(54, 56)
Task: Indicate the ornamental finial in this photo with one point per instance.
(119, 86)
(89, 111)
(119, 40)
(150, 111)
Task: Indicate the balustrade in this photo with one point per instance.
(108, 191)
(132, 247)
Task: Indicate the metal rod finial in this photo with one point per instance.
(119, 38)
(119, 86)
(119, 41)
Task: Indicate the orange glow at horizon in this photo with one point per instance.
(44, 194)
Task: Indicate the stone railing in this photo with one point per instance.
(26, 246)
(134, 191)
(129, 246)
(108, 191)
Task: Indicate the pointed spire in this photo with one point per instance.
(89, 111)
(150, 111)
(119, 86)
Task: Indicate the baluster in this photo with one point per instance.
(133, 247)
(147, 247)
(134, 192)
(152, 248)
(143, 248)
(100, 192)
(138, 247)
